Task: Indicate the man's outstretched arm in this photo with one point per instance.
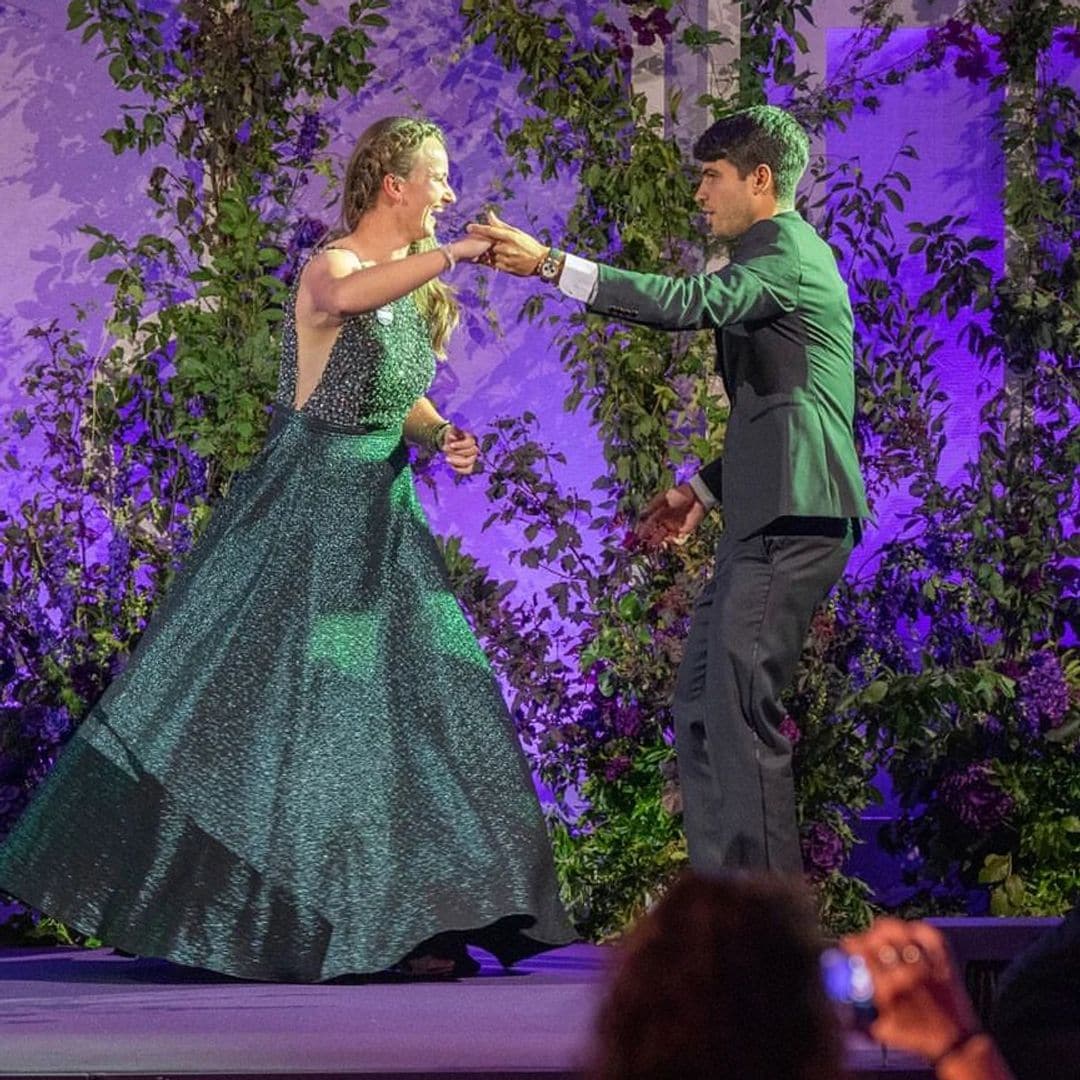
(760, 288)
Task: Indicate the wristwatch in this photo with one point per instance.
(550, 266)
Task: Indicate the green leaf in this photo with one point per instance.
(874, 693)
(77, 14)
(996, 868)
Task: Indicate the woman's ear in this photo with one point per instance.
(391, 186)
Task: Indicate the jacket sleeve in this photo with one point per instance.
(712, 476)
(760, 283)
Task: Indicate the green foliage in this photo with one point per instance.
(231, 95)
(633, 839)
(23, 929)
(927, 662)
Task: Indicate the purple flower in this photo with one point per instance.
(642, 30)
(1043, 692)
(181, 542)
(974, 798)
(243, 132)
(307, 233)
(307, 141)
(628, 721)
(44, 724)
(822, 850)
(618, 39)
(152, 271)
(67, 599)
(616, 767)
(595, 724)
(652, 26)
(119, 558)
(789, 729)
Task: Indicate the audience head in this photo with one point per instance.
(721, 979)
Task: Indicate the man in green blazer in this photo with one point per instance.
(788, 480)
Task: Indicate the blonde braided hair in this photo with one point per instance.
(388, 148)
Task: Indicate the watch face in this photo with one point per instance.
(549, 268)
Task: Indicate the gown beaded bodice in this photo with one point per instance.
(379, 365)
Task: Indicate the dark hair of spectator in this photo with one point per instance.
(721, 979)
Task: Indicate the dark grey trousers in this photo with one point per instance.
(745, 641)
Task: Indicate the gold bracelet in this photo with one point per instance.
(435, 434)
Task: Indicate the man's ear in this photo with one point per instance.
(763, 180)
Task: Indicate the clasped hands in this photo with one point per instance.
(500, 246)
(509, 249)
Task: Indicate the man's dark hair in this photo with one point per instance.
(760, 135)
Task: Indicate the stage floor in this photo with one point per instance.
(65, 1013)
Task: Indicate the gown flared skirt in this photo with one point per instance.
(307, 768)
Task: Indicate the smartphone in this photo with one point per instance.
(849, 984)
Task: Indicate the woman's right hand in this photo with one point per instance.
(468, 248)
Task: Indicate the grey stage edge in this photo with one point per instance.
(68, 1013)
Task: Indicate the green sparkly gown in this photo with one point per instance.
(306, 769)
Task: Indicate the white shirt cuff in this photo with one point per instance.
(579, 278)
(701, 490)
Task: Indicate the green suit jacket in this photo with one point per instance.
(783, 325)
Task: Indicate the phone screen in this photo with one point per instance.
(848, 983)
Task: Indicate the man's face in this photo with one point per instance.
(730, 203)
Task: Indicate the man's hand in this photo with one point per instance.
(512, 250)
(460, 450)
(670, 518)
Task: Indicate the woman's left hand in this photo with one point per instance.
(461, 450)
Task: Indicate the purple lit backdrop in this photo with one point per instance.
(959, 171)
(58, 174)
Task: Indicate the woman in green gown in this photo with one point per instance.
(307, 769)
